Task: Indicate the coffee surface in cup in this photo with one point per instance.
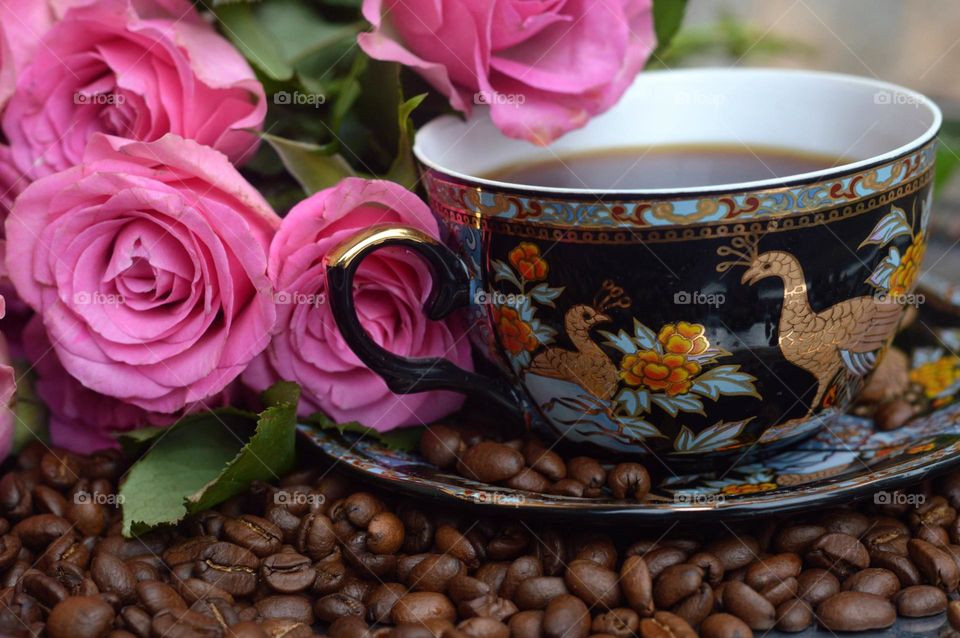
(673, 166)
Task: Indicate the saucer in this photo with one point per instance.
(847, 459)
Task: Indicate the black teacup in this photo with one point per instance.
(682, 320)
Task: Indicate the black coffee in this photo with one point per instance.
(676, 166)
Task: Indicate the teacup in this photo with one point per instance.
(683, 322)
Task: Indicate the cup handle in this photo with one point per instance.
(451, 290)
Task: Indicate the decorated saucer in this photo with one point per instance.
(847, 459)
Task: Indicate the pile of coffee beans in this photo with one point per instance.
(528, 465)
(316, 554)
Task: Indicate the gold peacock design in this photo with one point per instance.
(587, 365)
(848, 335)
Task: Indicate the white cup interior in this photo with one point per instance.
(865, 121)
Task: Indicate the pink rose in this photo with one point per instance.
(133, 69)
(8, 389)
(391, 289)
(22, 24)
(545, 67)
(147, 263)
(80, 419)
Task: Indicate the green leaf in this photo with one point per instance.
(314, 167)
(30, 423)
(404, 169)
(241, 26)
(206, 458)
(405, 439)
(667, 18)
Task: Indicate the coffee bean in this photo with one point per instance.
(359, 509)
(538, 592)
(918, 601)
(566, 616)
(508, 543)
(659, 558)
(59, 470)
(80, 617)
(873, 580)
(229, 567)
(567, 487)
(620, 622)
(629, 480)
(136, 620)
(333, 606)
(637, 585)
(381, 601)
(296, 608)
(385, 533)
(905, 571)
(544, 461)
(794, 615)
(734, 552)
(275, 627)
(257, 534)
(844, 520)
(528, 480)
(184, 623)
(953, 614)
(855, 611)
(450, 541)
(287, 572)
(588, 472)
(38, 531)
(194, 589)
(749, 606)
(434, 572)
(935, 565)
(112, 574)
(595, 585)
(490, 462)
(666, 625)
(418, 529)
(16, 500)
(156, 596)
(347, 627)
(839, 553)
(44, 588)
(722, 625)
(797, 538)
(676, 583)
(886, 538)
(529, 624)
(891, 415)
(772, 570)
(417, 607)
(441, 445)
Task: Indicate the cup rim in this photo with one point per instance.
(695, 191)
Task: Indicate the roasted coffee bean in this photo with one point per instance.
(886, 538)
(156, 596)
(659, 558)
(637, 585)
(528, 480)
(80, 617)
(855, 611)
(724, 626)
(76, 581)
(48, 500)
(187, 551)
(333, 606)
(666, 625)
(44, 588)
(551, 552)
(490, 462)
(37, 532)
(597, 549)
(797, 538)
(935, 565)
(520, 570)
(839, 553)
(316, 537)
(461, 588)
(873, 580)
(483, 627)
(143, 570)
(381, 601)
(194, 589)
(711, 566)
(417, 607)
(567, 487)
(359, 508)
(588, 472)
(287, 572)
(348, 627)
(772, 570)
(10, 547)
(891, 415)
(450, 541)
(629, 480)
(16, 500)
(844, 520)
(508, 543)
(620, 622)
(183, 623)
(953, 614)
(918, 601)
(545, 461)
(488, 606)
(59, 470)
(442, 445)
(229, 567)
(676, 583)
(385, 533)
(595, 585)
(746, 604)
(136, 620)
(794, 615)
(418, 529)
(934, 512)
(276, 627)
(734, 552)
(529, 624)
(566, 617)
(295, 608)
(257, 534)
(905, 571)
(536, 593)
(112, 574)
(434, 572)
(220, 610)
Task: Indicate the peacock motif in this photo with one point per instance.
(849, 335)
(587, 365)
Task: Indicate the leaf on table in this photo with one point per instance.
(314, 167)
(206, 458)
(404, 439)
(667, 18)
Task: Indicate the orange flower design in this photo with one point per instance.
(748, 488)
(683, 338)
(671, 372)
(528, 262)
(904, 276)
(515, 333)
(936, 376)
